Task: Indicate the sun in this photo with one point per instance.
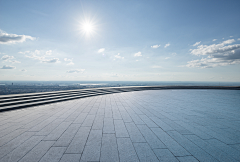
(87, 27)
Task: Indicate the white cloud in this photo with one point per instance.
(24, 70)
(6, 57)
(76, 71)
(101, 50)
(238, 39)
(156, 66)
(220, 54)
(54, 60)
(118, 56)
(156, 46)
(214, 40)
(8, 67)
(14, 61)
(6, 38)
(138, 54)
(215, 48)
(174, 54)
(70, 63)
(230, 36)
(49, 52)
(66, 59)
(167, 58)
(197, 43)
(167, 45)
(41, 56)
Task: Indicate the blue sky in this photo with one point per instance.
(187, 40)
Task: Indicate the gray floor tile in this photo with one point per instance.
(126, 150)
(70, 158)
(120, 129)
(108, 126)
(78, 143)
(134, 133)
(68, 135)
(171, 144)
(187, 159)
(54, 154)
(37, 152)
(145, 153)
(150, 137)
(109, 151)
(164, 155)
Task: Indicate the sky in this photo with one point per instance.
(120, 40)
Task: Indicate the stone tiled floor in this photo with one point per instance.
(162, 125)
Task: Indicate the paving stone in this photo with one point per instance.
(225, 148)
(10, 136)
(171, 144)
(88, 121)
(134, 133)
(50, 127)
(144, 152)
(80, 118)
(125, 116)
(120, 129)
(109, 151)
(148, 121)
(150, 137)
(20, 151)
(98, 122)
(77, 144)
(187, 159)
(56, 133)
(164, 155)
(54, 154)
(70, 158)
(92, 149)
(162, 124)
(68, 135)
(215, 152)
(37, 152)
(108, 126)
(126, 150)
(8, 147)
(196, 151)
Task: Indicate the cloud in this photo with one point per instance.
(214, 40)
(38, 55)
(8, 67)
(70, 61)
(138, 54)
(167, 58)
(6, 38)
(215, 48)
(54, 60)
(23, 70)
(76, 71)
(6, 57)
(156, 46)
(230, 36)
(156, 66)
(167, 45)
(221, 54)
(49, 52)
(238, 39)
(101, 50)
(197, 43)
(174, 54)
(14, 61)
(118, 56)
